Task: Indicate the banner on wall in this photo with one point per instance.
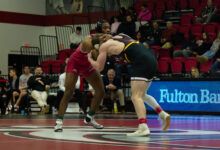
(77, 6)
(187, 95)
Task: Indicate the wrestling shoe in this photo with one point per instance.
(165, 117)
(143, 130)
(90, 121)
(59, 126)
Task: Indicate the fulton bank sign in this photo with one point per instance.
(178, 96)
(187, 95)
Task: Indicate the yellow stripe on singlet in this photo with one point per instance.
(126, 57)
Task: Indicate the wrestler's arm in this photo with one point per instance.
(99, 64)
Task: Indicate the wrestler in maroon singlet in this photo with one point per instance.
(78, 64)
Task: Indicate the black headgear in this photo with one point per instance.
(99, 25)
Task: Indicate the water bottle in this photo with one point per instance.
(115, 108)
(22, 112)
(53, 110)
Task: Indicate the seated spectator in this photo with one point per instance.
(131, 12)
(1, 75)
(154, 34)
(193, 47)
(39, 86)
(113, 88)
(13, 91)
(207, 13)
(77, 94)
(109, 64)
(195, 72)
(139, 37)
(2, 83)
(3, 99)
(127, 27)
(202, 45)
(166, 38)
(187, 48)
(76, 38)
(115, 25)
(210, 53)
(23, 84)
(216, 64)
(122, 66)
(145, 14)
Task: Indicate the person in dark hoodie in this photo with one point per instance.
(127, 27)
(13, 89)
(3, 99)
(39, 86)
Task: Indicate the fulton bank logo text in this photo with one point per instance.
(203, 96)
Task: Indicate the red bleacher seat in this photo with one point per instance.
(158, 13)
(218, 27)
(205, 67)
(46, 66)
(186, 19)
(210, 28)
(212, 36)
(150, 4)
(198, 10)
(164, 52)
(183, 4)
(203, 3)
(176, 26)
(194, 4)
(137, 6)
(168, 59)
(185, 30)
(189, 63)
(176, 66)
(197, 29)
(63, 54)
(171, 4)
(156, 50)
(216, 3)
(163, 66)
(159, 5)
(57, 66)
(175, 48)
(181, 59)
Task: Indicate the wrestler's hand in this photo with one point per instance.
(90, 56)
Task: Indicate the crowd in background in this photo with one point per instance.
(15, 96)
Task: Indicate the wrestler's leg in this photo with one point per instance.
(95, 80)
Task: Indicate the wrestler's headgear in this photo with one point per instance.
(99, 25)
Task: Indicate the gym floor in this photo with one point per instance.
(36, 133)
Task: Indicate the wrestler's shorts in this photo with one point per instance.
(77, 67)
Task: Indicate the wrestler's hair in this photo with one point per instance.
(96, 39)
(100, 38)
(99, 25)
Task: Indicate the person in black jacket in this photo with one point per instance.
(3, 99)
(207, 13)
(13, 89)
(154, 34)
(39, 85)
(216, 64)
(113, 88)
(127, 27)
